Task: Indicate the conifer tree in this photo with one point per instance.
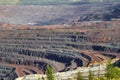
(79, 77)
(90, 76)
(39, 78)
(43, 78)
(109, 71)
(49, 73)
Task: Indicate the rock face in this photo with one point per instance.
(112, 12)
(65, 34)
(7, 72)
(29, 49)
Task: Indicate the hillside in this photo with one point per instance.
(59, 14)
(11, 2)
(112, 12)
(46, 2)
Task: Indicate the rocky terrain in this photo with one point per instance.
(29, 49)
(63, 34)
(59, 14)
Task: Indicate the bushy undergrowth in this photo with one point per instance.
(112, 73)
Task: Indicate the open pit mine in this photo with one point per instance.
(26, 50)
(68, 35)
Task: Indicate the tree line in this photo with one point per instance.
(112, 73)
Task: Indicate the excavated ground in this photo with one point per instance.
(29, 49)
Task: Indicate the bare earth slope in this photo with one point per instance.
(28, 49)
(58, 14)
(64, 35)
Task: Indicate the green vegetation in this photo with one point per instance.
(37, 2)
(43, 78)
(90, 76)
(9, 2)
(112, 73)
(49, 73)
(109, 71)
(79, 76)
(38, 78)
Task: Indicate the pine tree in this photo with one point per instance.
(109, 71)
(112, 72)
(39, 78)
(79, 77)
(90, 76)
(49, 73)
(43, 78)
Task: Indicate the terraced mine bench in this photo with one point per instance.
(30, 50)
(7, 72)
